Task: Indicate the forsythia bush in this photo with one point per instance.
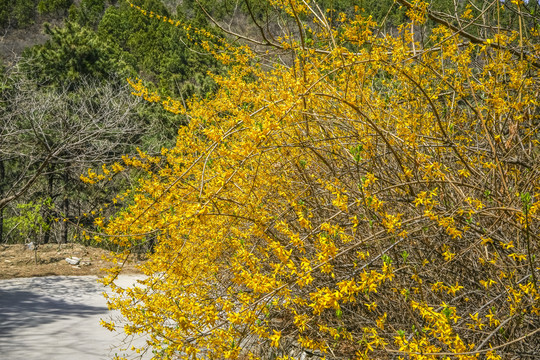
(365, 198)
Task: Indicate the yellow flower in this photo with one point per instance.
(275, 338)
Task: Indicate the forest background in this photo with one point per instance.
(306, 178)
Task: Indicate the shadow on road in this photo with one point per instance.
(28, 304)
(57, 318)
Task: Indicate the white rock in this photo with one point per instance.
(73, 260)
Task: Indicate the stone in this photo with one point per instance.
(73, 260)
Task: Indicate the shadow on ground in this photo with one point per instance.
(57, 318)
(46, 300)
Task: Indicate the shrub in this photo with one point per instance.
(373, 197)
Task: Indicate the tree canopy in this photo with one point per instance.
(73, 53)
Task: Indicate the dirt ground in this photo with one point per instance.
(18, 261)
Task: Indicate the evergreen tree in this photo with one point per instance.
(72, 53)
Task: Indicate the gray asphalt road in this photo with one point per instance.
(57, 318)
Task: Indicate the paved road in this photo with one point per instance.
(57, 318)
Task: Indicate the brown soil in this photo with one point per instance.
(17, 261)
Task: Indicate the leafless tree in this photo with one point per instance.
(48, 137)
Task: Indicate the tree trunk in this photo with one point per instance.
(2, 180)
(65, 207)
(47, 216)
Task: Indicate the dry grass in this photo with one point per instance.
(17, 261)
